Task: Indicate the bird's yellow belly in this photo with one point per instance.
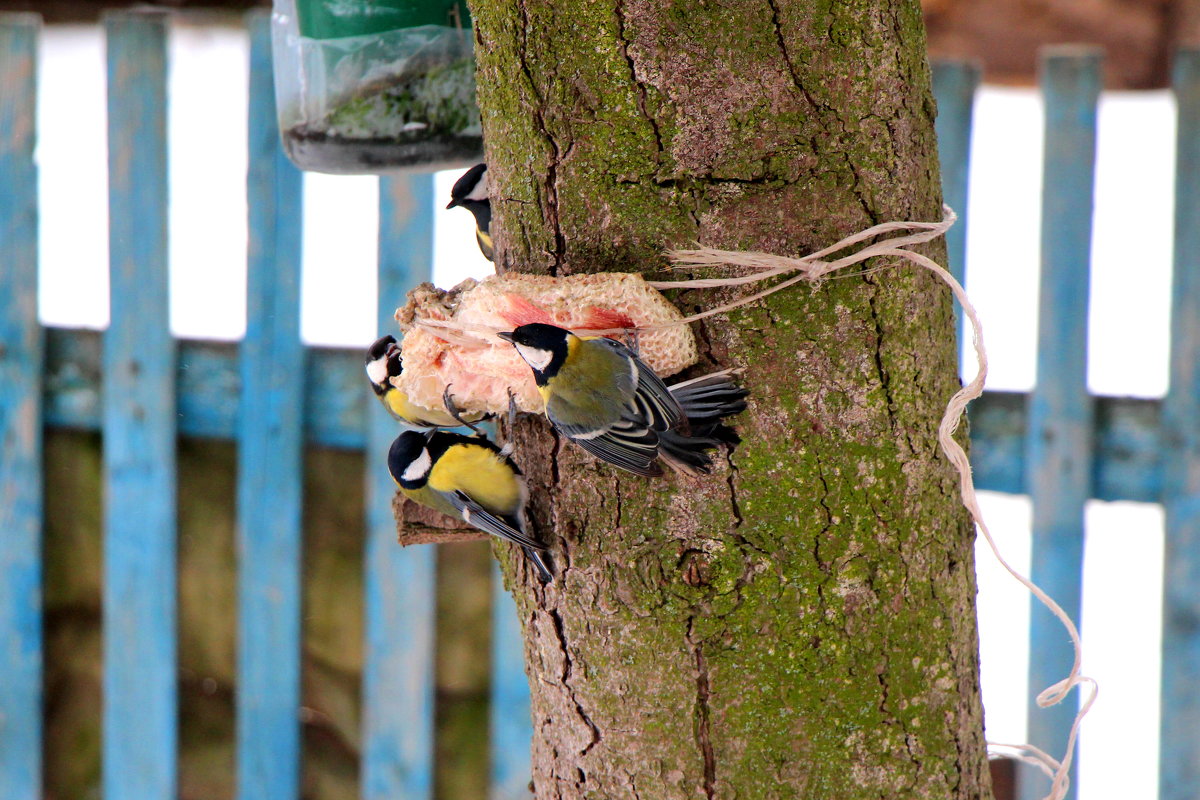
(480, 474)
(398, 403)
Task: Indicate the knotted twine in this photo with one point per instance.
(814, 268)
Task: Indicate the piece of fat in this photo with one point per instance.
(481, 368)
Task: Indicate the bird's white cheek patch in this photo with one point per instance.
(480, 192)
(419, 467)
(535, 357)
(377, 371)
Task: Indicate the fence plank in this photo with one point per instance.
(270, 455)
(398, 675)
(510, 729)
(140, 715)
(21, 347)
(954, 85)
(1059, 438)
(1179, 773)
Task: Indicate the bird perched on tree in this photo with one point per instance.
(467, 477)
(383, 367)
(601, 396)
(471, 192)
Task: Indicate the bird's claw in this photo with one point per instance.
(633, 342)
(512, 408)
(452, 410)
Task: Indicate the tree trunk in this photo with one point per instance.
(801, 623)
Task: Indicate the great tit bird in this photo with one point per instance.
(383, 366)
(471, 192)
(466, 477)
(601, 396)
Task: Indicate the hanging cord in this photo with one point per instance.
(813, 268)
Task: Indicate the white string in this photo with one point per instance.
(812, 268)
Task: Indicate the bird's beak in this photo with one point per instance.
(392, 348)
(429, 433)
(508, 337)
(451, 204)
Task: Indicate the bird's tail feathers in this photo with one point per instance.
(687, 454)
(541, 561)
(708, 400)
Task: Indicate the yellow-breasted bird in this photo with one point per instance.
(471, 192)
(383, 367)
(467, 477)
(601, 396)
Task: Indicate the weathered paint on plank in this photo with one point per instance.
(1059, 438)
(954, 85)
(138, 367)
(208, 382)
(21, 348)
(1179, 748)
(510, 728)
(270, 455)
(398, 673)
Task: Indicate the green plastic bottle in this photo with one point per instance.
(376, 86)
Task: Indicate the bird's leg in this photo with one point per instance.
(453, 411)
(507, 449)
(512, 408)
(632, 341)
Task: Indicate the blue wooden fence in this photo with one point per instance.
(21, 355)
(1061, 445)
(1179, 743)
(1058, 444)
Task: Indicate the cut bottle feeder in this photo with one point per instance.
(376, 86)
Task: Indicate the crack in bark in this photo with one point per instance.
(706, 346)
(703, 712)
(824, 503)
(642, 94)
(733, 500)
(560, 242)
(914, 448)
(787, 58)
(858, 192)
(889, 718)
(550, 185)
(880, 369)
(568, 668)
(825, 108)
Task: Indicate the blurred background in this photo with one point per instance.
(207, 123)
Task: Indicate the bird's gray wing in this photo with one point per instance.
(627, 443)
(479, 517)
(652, 403)
(654, 400)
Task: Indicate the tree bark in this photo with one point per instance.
(801, 623)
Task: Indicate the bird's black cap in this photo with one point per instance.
(404, 451)
(541, 336)
(463, 186)
(538, 334)
(380, 347)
